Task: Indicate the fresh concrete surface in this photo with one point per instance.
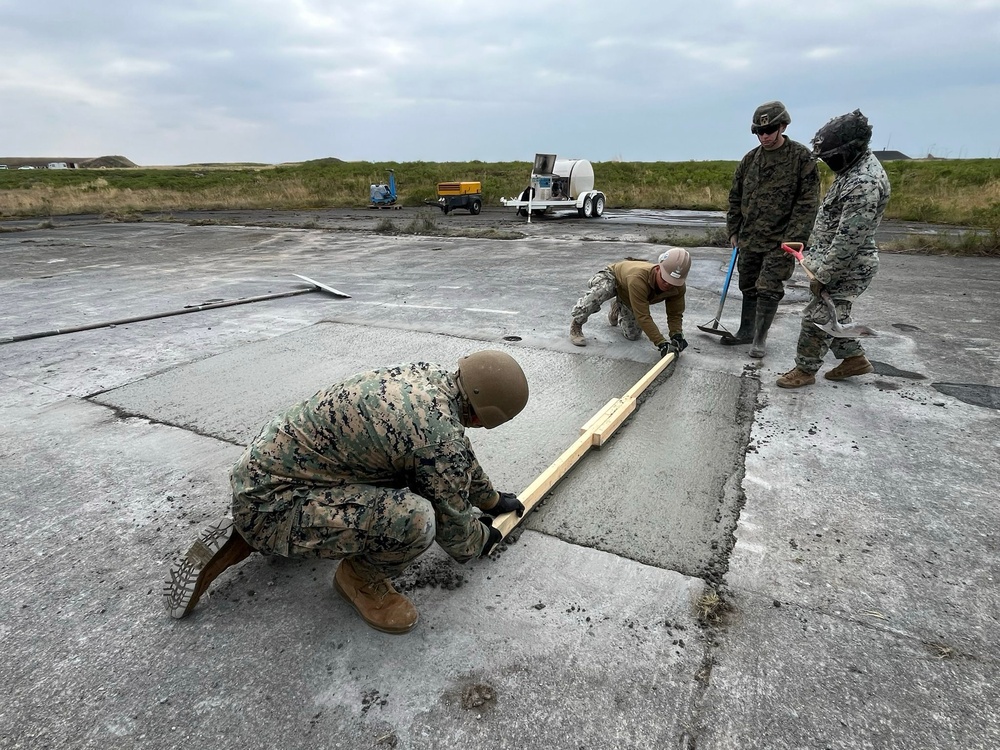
(860, 600)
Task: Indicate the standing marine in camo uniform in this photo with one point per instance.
(369, 471)
(773, 199)
(841, 252)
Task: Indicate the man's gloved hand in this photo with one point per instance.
(816, 288)
(668, 347)
(508, 502)
(678, 338)
(493, 536)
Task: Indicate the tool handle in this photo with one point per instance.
(795, 250)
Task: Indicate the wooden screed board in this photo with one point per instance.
(595, 432)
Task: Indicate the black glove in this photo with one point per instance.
(667, 347)
(816, 288)
(493, 536)
(678, 338)
(508, 502)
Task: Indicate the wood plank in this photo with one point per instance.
(595, 432)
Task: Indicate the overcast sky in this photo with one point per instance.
(179, 81)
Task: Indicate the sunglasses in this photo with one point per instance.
(764, 129)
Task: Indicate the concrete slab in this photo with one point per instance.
(673, 518)
(891, 463)
(273, 657)
(666, 490)
(794, 677)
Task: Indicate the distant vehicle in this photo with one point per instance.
(559, 184)
(58, 165)
(25, 167)
(3, 166)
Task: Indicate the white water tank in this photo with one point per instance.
(579, 172)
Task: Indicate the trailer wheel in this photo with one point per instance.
(588, 207)
(522, 212)
(598, 210)
(475, 207)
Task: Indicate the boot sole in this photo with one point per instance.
(369, 623)
(187, 581)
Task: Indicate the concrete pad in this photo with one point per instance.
(886, 462)
(666, 489)
(673, 518)
(794, 677)
(597, 647)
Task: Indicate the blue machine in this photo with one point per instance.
(384, 195)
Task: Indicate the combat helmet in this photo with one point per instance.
(494, 386)
(768, 115)
(674, 266)
(843, 140)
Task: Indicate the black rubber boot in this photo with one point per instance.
(747, 317)
(766, 309)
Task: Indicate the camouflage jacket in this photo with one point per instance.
(395, 427)
(773, 198)
(636, 287)
(842, 245)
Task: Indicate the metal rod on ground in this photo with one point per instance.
(595, 432)
(183, 311)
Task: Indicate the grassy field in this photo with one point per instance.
(962, 193)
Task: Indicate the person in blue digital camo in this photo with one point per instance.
(841, 252)
(773, 199)
(369, 471)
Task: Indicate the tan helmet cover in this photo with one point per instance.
(494, 385)
(674, 266)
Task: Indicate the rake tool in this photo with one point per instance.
(715, 325)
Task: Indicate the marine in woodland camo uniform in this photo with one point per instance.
(375, 468)
(843, 256)
(773, 199)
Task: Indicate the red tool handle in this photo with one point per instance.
(794, 249)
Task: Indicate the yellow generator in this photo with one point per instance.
(452, 195)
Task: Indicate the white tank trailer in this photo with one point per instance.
(559, 185)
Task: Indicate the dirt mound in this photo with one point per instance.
(108, 162)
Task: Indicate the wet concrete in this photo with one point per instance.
(859, 604)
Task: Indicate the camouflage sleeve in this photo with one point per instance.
(858, 219)
(445, 474)
(675, 313)
(734, 217)
(638, 293)
(806, 203)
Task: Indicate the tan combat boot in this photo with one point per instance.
(613, 313)
(218, 547)
(576, 334)
(796, 378)
(378, 603)
(849, 367)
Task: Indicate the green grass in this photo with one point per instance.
(962, 192)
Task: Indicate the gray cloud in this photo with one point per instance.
(269, 81)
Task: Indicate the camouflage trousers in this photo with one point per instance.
(602, 288)
(814, 342)
(763, 275)
(381, 529)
